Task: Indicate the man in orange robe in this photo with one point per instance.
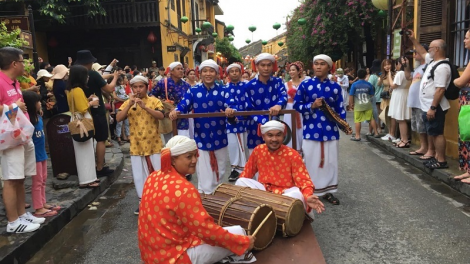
(281, 169)
(174, 227)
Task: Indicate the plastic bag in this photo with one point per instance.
(15, 128)
(464, 123)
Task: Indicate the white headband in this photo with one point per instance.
(139, 78)
(265, 56)
(272, 125)
(180, 144)
(174, 65)
(209, 63)
(234, 65)
(325, 58)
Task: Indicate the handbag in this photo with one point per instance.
(81, 129)
(15, 128)
(385, 95)
(464, 123)
(165, 125)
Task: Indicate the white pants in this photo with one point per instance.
(344, 92)
(167, 137)
(85, 159)
(236, 150)
(191, 128)
(298, 132)
(19, 162)
(207, 254)
(140, 170)
(207, 179)
(325, 179)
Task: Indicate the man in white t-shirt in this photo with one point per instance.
(426, 149)
(431, 96)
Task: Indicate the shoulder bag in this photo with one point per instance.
(81, 128)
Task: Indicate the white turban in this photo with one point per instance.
(272, 125)
(180, 144)
(234, 65)
(139, 78)
(174, 65)
(265, 56)
(209, 63)
(325, 58)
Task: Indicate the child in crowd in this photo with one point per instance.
(360, 100)
(38, 190)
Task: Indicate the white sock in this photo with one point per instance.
(14, 222)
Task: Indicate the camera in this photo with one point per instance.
(404, 31)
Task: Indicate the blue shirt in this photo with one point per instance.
(362, 92)
(237, 92)
(58, 89)
(262, 96)
(316, 125)
(209, 132)
(39, 141)
(176, 92)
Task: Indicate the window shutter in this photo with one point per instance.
(432, 20)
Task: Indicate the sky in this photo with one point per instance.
(261, 13)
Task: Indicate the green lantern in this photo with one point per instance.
(252, 28)
(214, 34)
(302, 21)
(230, 38)
(184, 19)
(206, 25)
(277, 26)
(230, 27)
(198, 30)
(264, 42)
(382, 14)
(247, 41)
(280, 43)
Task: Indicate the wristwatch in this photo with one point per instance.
(433, 108)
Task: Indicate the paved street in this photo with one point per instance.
(389, 213)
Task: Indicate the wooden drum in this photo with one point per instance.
(228, 211)
(290, 212)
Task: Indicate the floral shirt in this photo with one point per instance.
(176, 92)
(316, 125)
(172, 219)
(121, 92)
(237, 92)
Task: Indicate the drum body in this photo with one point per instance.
(228, 211)
(290, 212)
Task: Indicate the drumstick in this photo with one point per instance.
(262, 223)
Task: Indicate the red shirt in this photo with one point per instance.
(10, 91)
(279, 170)
(172, 219)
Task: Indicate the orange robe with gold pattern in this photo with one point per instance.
(172, 219)
(279, 170)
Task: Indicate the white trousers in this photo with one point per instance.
(167, 137)
(191, 128)
(298, 132)
(207, 254)
(344, 92)
(19, 162)
(325, 179)
(140, 170)
(236, 150)
(85, 159)
(207, 179)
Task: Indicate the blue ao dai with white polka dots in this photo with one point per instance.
(237, 92)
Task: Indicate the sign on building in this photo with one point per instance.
(396, 44)
(15, 22)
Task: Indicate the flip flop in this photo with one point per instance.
(46, 214)
(89, 185)
(416, 153)
(54, 207)
(426, 157)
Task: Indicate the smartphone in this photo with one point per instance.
(69, 58)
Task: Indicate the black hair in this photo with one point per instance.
(136, 72)
(134, 67)
(30, 100)
(50, 69)
(375, 68)
(43, 65)
(9, 55)
(161, 69)
(78, 77)
(361, 73)
(119, 80)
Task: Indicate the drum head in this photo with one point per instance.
(266, 234)
(295, 219)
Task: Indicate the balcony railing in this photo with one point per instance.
(120, 14)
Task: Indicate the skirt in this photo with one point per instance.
(398, 108)
(464, 146)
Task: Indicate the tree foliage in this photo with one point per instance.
(10, 39)
(226, 48)
(331, 26)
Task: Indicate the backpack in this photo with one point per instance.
(452, 92)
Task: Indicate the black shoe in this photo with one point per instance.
(136, 212)
(233, 176)
(104, 172)
(189, 177)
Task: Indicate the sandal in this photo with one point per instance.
(53, 207)
(90, 185)
(407, 145)
(330, 198)
(46, 214)
(416, 153)
(427, 158)
(437, 165)
(62, 176)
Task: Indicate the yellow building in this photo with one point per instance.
(273, 46)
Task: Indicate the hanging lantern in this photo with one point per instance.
(277, 26)
(247, 41)
(206, 25)
(230, 27)
(382, 14)
(383, 4)
(151, 38)
(264, 42)
(252, 28)
(301, 21)
(214, 34)
(198, 30)
(52, 42)
(230, 38)
(280, 43)
(184, 19)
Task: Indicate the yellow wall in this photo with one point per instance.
(272, 46)
(41, 41)
(220, 31)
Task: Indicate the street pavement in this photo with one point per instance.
(389, 213)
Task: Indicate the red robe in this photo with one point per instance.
(172, 219)
(279, 170)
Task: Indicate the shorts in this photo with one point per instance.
(361, 116)
(19, 162)
(101, 127)
(435, 127)
(417, 122)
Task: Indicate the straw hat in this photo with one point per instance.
(96, 66)
(59, 72)
(43, 73)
